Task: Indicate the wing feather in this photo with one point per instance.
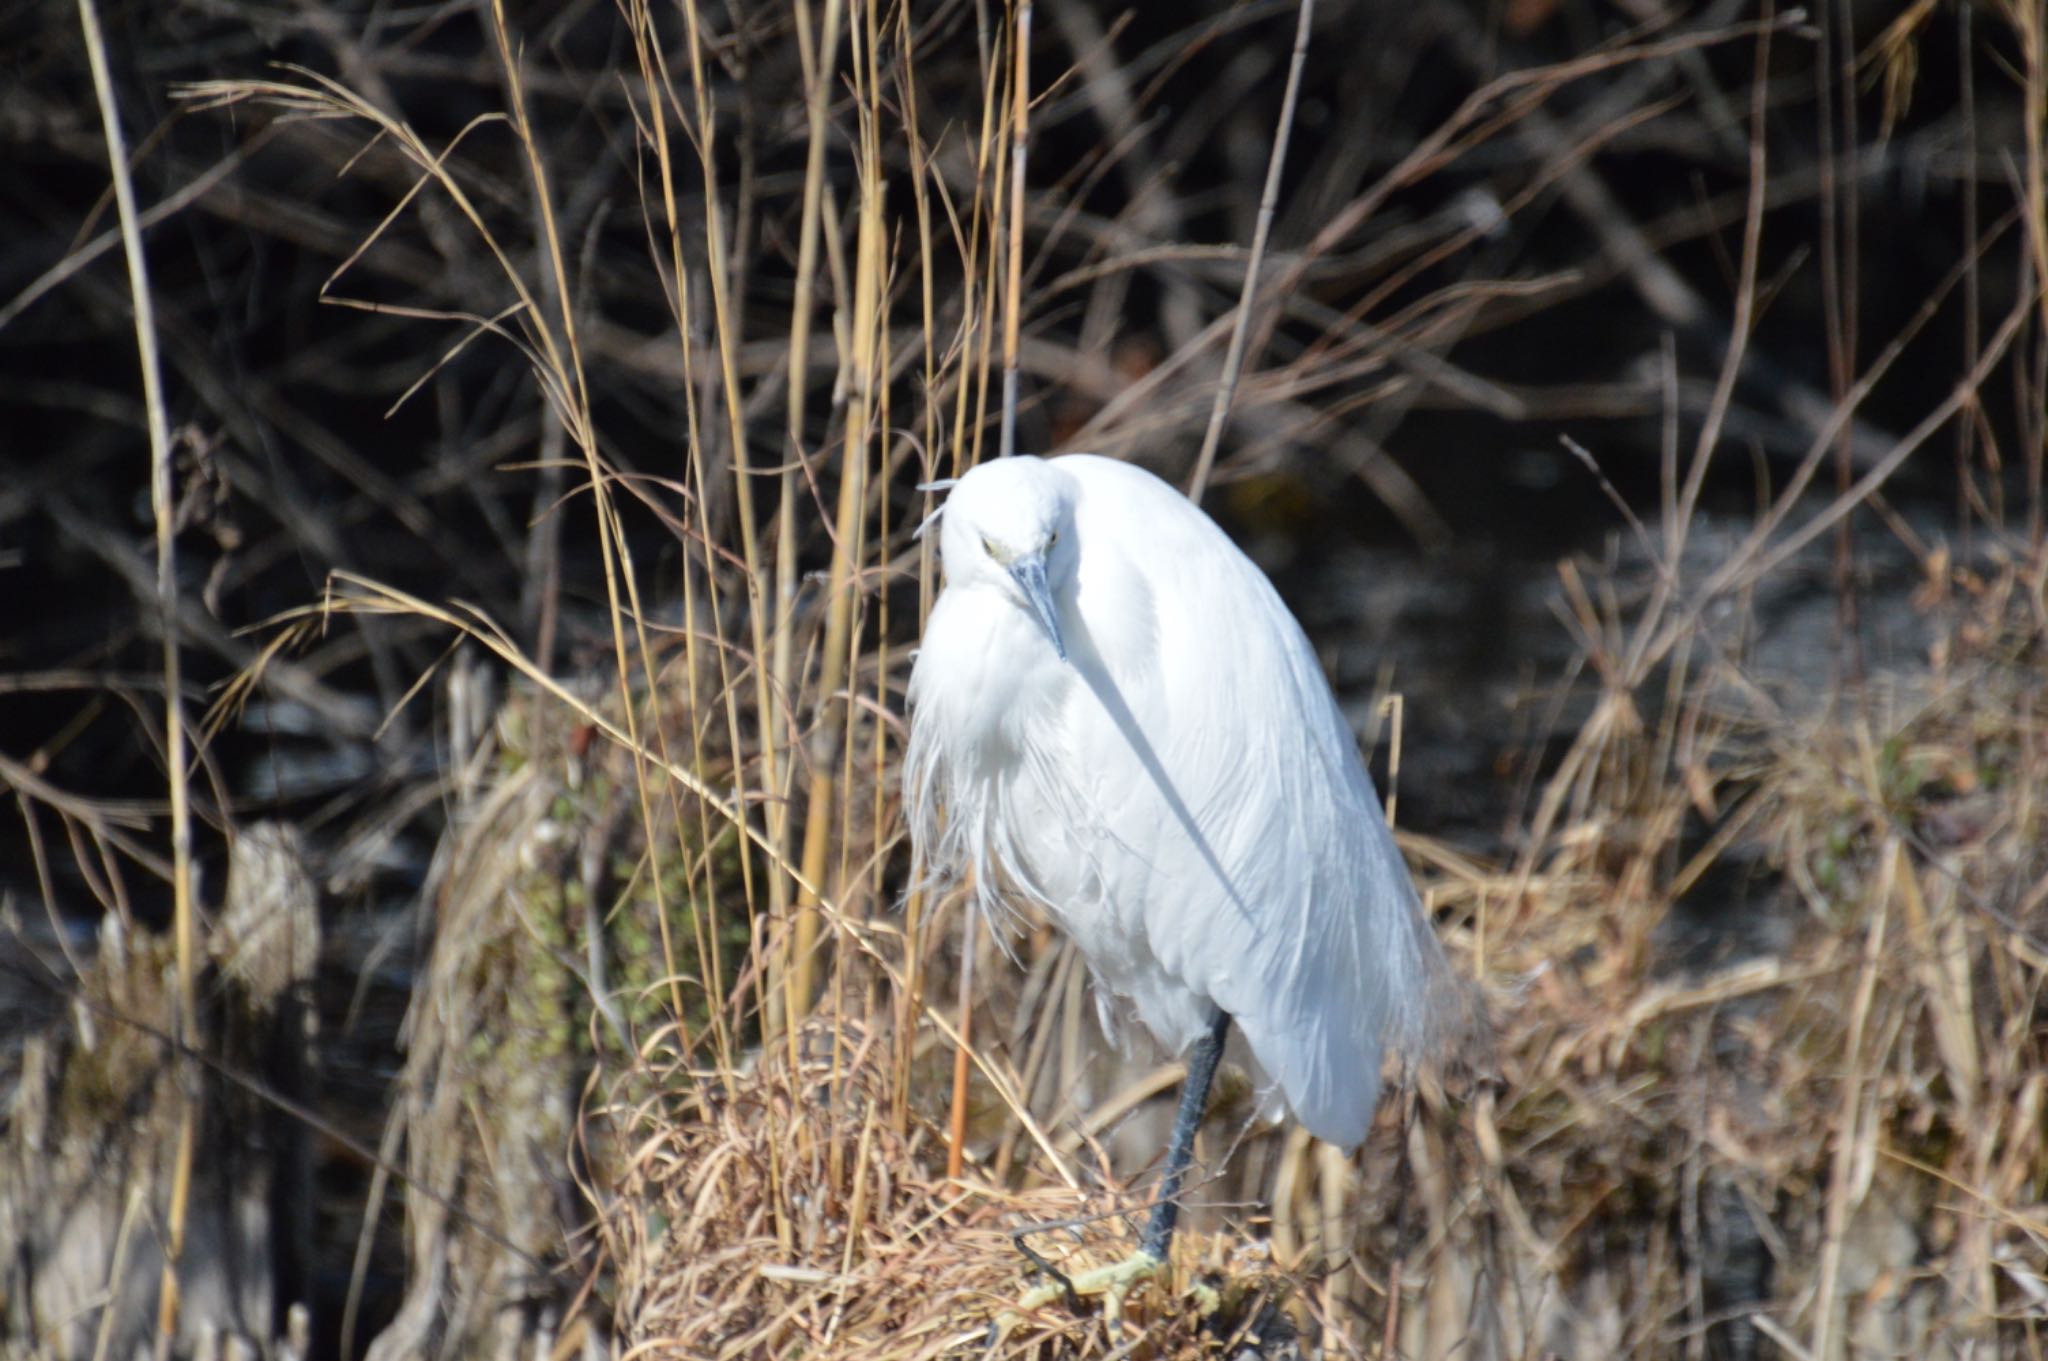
(1266, 880)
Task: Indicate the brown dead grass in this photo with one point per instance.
(782, 1214)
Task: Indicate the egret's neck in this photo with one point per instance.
(1003, 680)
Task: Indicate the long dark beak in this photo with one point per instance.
(1029, 574)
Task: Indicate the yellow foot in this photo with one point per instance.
(1109, 1283)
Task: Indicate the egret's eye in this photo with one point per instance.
(987, 547)
(1054, 541)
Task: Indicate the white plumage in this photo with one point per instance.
(1178, 790)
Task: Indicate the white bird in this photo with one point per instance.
(1114, 717)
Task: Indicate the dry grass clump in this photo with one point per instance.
(780, 1211)
(1788, 1083)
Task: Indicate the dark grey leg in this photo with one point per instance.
(1180, 1150)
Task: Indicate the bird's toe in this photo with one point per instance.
(1111, 1284)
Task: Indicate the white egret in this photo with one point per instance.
(1114, 716)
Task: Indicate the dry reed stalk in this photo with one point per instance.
(176, 774)
(652, 64)
(863, 377)
(971, 398)
(2031, 29)
(726, 329)
(912, 1002)
(819, 57)
(1852, 1132)
(564, 360)
(1020, 142)
(1269, 198)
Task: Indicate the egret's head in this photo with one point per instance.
(1009, 525)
